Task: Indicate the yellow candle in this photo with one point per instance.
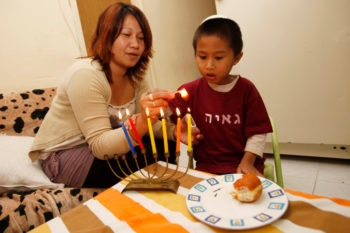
(189, 132)
(151, 135)
(178, 130)
(165, 136)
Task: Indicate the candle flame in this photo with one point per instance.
(127, 112)
(147, 111)
(178, 111)
(161, 112)
(188, 110)
(120, 115)
(183, 93)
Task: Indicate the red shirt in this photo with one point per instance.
(227, 120)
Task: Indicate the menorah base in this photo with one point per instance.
(144, 184)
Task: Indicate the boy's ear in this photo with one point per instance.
(237, 58)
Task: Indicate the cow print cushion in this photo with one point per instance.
(21, 113)
(21, 212)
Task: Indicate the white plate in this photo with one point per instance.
(211, 202)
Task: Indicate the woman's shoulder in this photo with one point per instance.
(86, 63)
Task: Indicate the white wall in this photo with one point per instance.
(298, 53)
(38, 41)
(173, 23)
(41, 38)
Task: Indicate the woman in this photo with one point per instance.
(82, 127)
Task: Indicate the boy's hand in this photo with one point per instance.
(247, 164)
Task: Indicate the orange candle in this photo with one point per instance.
(189, 132)
(165, 136)
(151, 135)
(178, 130)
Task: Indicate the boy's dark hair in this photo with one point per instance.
(224, 28)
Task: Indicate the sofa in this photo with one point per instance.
(27, 197)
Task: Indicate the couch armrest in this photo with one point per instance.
(21, 113)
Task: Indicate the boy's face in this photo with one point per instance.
(215, 59)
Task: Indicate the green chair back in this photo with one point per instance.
(268, 171)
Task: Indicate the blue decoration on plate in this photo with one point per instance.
(266, 183)
(212, 181)
(200, 188)
(275, 193)
(229, 178)
(193, 197)
(237, 222)
(197, 209)
(212, 219)
(263, 217)
(276, 205)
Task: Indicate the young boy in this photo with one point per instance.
(228, 109)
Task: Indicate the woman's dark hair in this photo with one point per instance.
(108, 29)
(224, 28)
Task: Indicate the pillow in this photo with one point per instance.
(17, 171)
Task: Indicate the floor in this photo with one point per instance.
(320, 176)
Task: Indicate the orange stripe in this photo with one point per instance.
(138, 218)
(339, 201)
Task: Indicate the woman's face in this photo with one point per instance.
(129, 46)
(215, 59)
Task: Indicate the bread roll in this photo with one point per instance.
(248, 188)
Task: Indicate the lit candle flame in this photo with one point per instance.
(161, 112)
(183, 93)
(120, 115)
(127, 112)
(178, 112)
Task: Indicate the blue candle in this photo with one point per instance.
(128, 139)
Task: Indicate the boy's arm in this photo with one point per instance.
(247, 164)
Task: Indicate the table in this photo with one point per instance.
(166, 212)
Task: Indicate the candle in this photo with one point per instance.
(189, 132)
(178, 130)
(137, 136)
(128, 139)
(165, 137)
(151, 135)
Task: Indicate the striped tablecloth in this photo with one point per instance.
(166, 212)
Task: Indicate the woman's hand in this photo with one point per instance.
(154, 100)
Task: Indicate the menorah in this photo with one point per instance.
(153, 180)
(150, 177)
